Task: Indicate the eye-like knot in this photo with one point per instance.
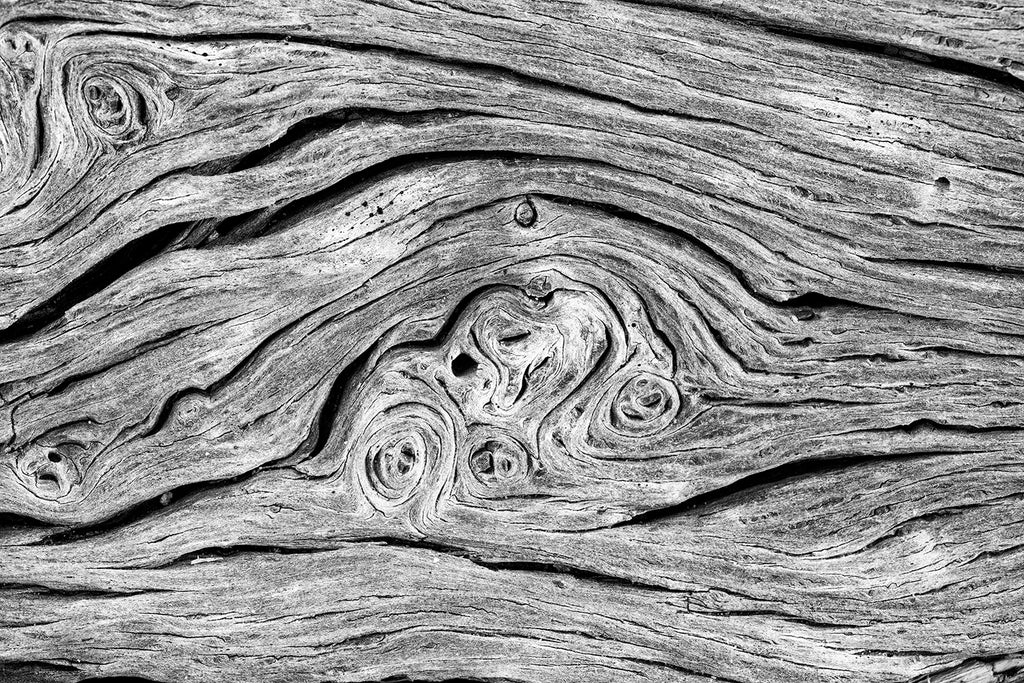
(644, 405)
(114, 107)
(395, 466)
(526, 213)
(50, 471)
(499, 461)
(403, 448)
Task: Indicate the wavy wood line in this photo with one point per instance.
(590, 341)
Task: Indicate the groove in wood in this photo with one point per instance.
(597, 341)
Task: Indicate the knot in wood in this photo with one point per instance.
(401, 448)
(114, 107)
(396, 465)
(644, 405)
(526, 213)
(539, 287)
(191, 410)
(20, 51)
(50, 471)
(499, 461)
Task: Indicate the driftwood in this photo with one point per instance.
(518, 341)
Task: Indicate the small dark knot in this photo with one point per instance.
(526, 213)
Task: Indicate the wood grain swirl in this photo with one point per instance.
(531, 341)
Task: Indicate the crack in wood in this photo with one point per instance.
(408, 341)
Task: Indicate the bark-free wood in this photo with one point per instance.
(529, 341)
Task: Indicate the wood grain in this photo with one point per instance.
(532, 341)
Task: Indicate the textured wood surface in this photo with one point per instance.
(522, 341)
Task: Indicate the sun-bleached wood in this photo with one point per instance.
(527, 341)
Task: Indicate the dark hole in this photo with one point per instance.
(405, 460)
(54, 457)
(93, 280)
(463, 364)
(942, 182)
(513, 338)
(48, 478)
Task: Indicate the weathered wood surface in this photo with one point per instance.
(526, 341)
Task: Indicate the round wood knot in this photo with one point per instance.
(20, 51)
(403, 449)
(115, 108)
(644, 405)
(395, 466)
(50, 471)
(191, 411)
(499, 461)
(526, 213)
(539, 287)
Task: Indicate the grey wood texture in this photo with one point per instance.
(424, 340)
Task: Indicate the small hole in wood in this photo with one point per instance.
(464, 364)
(942, 182)
(48, 479)
(54, 457)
